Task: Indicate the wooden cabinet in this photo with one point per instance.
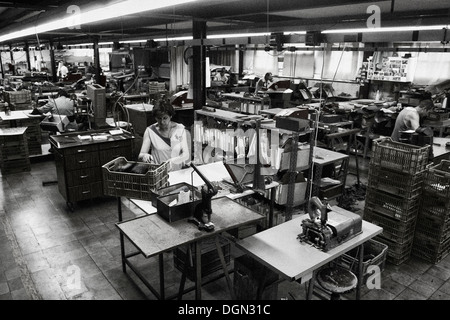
(79, 158)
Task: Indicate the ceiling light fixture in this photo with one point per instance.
(109, 12)
(386, 29)
(237, 35)
(286, 33)
(174, 39)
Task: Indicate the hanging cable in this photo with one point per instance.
(318, 112)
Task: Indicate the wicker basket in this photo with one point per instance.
(133, 185)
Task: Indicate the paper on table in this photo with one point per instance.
(184, 197)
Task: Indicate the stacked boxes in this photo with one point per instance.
(432, 235)
(14, 150)
(394, 193)
(17, 97)
(155, 87)
(34, 134)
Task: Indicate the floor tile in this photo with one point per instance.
(59, 246)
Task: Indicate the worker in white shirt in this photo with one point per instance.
(62, 70)
(221, 76)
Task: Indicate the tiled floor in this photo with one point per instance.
(45, 249)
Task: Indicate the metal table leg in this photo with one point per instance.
(360, 271)
(198, 270)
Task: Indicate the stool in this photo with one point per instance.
(337, 280)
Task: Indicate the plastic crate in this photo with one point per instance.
(432, 227)
(396, 253)
(434, 206)
(375, 254)
(429, 250)
(133, 185)
(391, 206)
(396, 183)
(394, 230)
(399, 156)
(437, 180)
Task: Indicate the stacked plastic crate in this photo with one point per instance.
(393, 194)
(432, 235)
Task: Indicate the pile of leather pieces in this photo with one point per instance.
(352, 195)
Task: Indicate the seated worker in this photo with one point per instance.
(165, 140)
(264, 82)
(221, 76)
(409, 118)
(63, 106)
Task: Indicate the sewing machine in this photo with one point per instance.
(328, 227)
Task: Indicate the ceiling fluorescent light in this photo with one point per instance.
(237, 35)
(286, 33)
(386, 29)
(109, 12)
(133, 41)
(174, 39)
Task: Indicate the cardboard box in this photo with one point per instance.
(302, 159)
(292, 124)
(299, 193)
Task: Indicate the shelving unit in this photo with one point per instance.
(248, 104)
(227, 120)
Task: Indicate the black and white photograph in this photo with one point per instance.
(232, 157)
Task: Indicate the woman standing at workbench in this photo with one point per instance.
(165, 140)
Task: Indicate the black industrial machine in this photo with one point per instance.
(328, 227)
(203, 211)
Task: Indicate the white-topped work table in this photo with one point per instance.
(152, 235)
(14, 116)
(279, 249)
(440, 150)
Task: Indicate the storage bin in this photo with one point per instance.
(133, 185)
(394, 230)
(399, 156)
(375, 254)
(174, 212)
(395, 207)
(396, 183)
(437, 180)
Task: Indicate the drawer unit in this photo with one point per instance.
(79, 165)
(113, 150)
(86, 191)
(34, 135)
(83, 176)
(82, 160)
